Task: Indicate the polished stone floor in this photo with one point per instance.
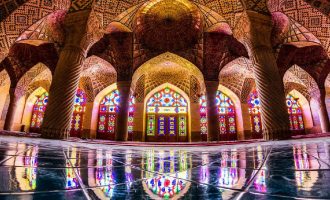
(48, 169)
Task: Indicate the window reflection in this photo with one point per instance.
(228, 175)
(71, 178)
(167, 177)
(27, 175)
(260, 180)
(305, 179)
(104, 174)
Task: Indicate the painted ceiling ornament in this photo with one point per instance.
(168, 25)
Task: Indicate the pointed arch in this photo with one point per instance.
(93, 122)
(306, 109)
(29, 108)
(180, 110)
(4, 96)
(238, 109)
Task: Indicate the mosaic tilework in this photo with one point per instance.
(37, 73)
(297, 75)
(307, 16)
(24, 17)
(9, 6)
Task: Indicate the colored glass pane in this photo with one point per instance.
(227, 118)
(182, 125)
(255, 110)
(151, 125)
(203, 114)
(79, 107)
(295, 113)
(131, 110)
(38, 111)
(166, 114)
(108, 109)
(167, 98)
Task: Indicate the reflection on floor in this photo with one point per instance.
(45, 169)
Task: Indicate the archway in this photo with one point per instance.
(179, 73)
(4, 96)
(227, 117)
(167, 115)
(108, 116)
(295, 114)
(34, 110)
(305, 109)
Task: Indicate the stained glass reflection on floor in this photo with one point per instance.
(46, 169)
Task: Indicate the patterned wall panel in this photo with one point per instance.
(23, 17)
(311, 18)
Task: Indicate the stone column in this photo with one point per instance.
(212, 114)
(324, 117)
(275, 120)
(10, 116)
(124, 92)
(57, 120)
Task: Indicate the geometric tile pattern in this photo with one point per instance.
(37, 73)
(97, 74)
(296, 74)
(23, 17)
(238, 77)
(47, 29)
(309, 17)
(77, 5)
(4, 78)
(32, 168)
(229, 9)
(9, 6)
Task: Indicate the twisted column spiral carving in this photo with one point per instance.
(57, 120)
(256, 36)
(274, 116)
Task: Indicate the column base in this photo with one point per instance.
(279, 134)
(51, 133)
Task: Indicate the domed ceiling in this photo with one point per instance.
(168, 25)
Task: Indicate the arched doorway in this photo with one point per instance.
(295, 114)
(79, 108)
(108, 116)
(227, 119)
(255, 117)
(166, 116)
(38, 112)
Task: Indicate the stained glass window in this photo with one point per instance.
(38, 111)
(203, 114)
(227, 119)
(79, 108)
(295, 113)
(167, 114)
(255, 117)
(109, 107)
(131, 110)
